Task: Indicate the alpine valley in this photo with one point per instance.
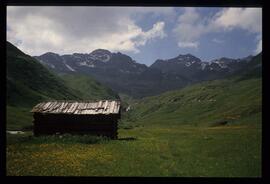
(134, 91)
(179, 117)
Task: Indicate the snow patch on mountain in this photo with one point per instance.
(187, 64)
(69, 67)
(203, 65)
(45, 63)
(104, 58)
(77, 57)
(100, 55)
(85, 63)
(221, 64)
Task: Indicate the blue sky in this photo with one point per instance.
(144, 33)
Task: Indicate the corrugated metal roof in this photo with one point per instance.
(65, 107)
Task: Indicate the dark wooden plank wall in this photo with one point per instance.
(105, 125)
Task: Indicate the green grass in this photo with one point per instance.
(231, 151)
(88, 88)
(201, 104)
(165, 135)
(18, 118)
(29, 82)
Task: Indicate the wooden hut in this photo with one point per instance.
(98, 118)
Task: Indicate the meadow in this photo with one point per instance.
(175, 134)
(227, 151)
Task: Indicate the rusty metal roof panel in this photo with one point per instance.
(88, 108)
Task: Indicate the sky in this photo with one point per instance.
(144, 33)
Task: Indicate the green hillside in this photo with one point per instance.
(232, 100)
(29, 82)
(253, 69)
(88, 88)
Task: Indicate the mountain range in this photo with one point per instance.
(124, 75)
(32, 80)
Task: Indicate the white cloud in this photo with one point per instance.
(259, 45)
(81, 29)
(191, 25)
(188, 44)
(190, 16)
(156, 32)
(249, 19)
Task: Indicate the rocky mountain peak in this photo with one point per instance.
(100, 51)
(50, 54)
(187, 58)
(101, 55)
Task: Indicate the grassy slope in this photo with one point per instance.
(173, 138)
(202, 104)
(88, 88)
(28, 81)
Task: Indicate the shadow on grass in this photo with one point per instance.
(219, 123)
(64, 139)
(127, 139)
